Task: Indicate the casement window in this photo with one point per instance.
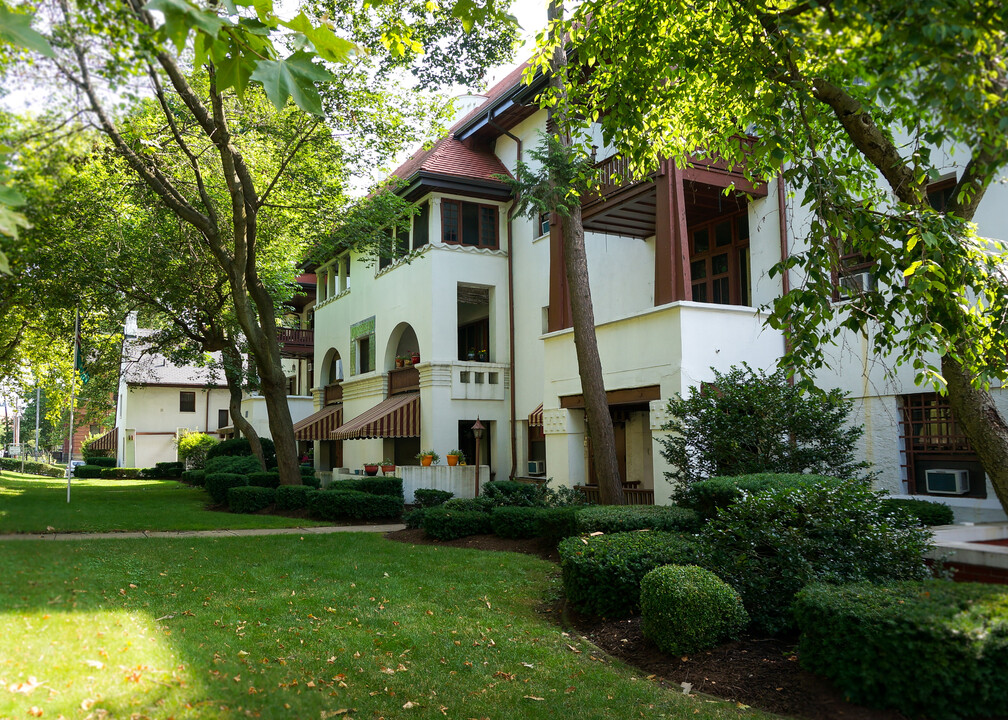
(187, 401)
(222, 418)
(399, 245)
(853, 273)
(719, 261)
(465, 223)
(364, 354)
(939, 458)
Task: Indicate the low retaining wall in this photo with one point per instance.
(460, 480)
(973, 561)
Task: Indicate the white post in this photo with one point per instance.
(73, 400)
(38, 406)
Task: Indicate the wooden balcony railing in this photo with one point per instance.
(402, 380)
(633, 496)
(295, 342)
(333, 393)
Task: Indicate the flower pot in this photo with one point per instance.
(426, 460)
(399, 362)
(483, 356)
(452, 460)
(371, 470)
(415, 358)
(387, 469)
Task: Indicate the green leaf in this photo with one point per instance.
(10, 197)
(181, 16)
(16, 29)
(294, 78)
(4, 265)
(10, 221)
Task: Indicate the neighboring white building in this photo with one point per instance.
(158, 399)
(678, 269)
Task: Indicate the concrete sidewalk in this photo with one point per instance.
(205, 533)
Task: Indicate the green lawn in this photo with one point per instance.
(331, 626)
(31, 504)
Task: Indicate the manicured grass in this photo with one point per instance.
(302, 627)
(31, 504)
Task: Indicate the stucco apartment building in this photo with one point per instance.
(678, 272)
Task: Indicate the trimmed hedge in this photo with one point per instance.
(685, 609)
(445, 523)
(122, 473)
(415, 517)
(623, 518)
(479, 504)
(312, 482)
(933, 648)
(515, 521)
(511, 492)
(239, 464)
(240, 447)
(307, 470)
(929, 513)
(558, 523)
(355, 505)
(194, 477)
(707, 497)
(389, 486)
(250, 499)
(428, 497)
(88, 471)
(270, 479)
(170, 469)
(33, 468)
(602, 574)
(218, 484)
(294, 497)
(101, 461)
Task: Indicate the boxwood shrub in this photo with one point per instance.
(445, 523)
(250, 499)
(240, 446)
(294, 497)
(122, 473)
(269, 479)
(194, 477)
(100, 461)
(511, 492)
(311, 481)
(622, 518)
(685, 609)
(478, 504)
(170, 469)
(218, 484)
(354, 505)
(428, 497)
(414, 518)
(934, 648)
(516, 521)
(34, 468)
(238, 464)
(717, 493)
(390, 486)
(928, 513)
(768, 546)
(557, 523)
(602, 574)
(88, 471)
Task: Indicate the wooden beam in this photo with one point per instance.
(722, 179)
(625, 396)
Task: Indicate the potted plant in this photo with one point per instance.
(400, 361)
(483, 355)
(454, 457)
(472, 354)
(428, 457)
(387, 467)
(371, 468)
(415, 357)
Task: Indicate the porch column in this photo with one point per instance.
(672, 270)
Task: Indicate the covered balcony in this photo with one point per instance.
(296, 343)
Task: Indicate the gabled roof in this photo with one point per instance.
(141, 365)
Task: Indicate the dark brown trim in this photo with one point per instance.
(722, 179)
(166, 432)
(625, 396)
(559, 299)
(479, 224)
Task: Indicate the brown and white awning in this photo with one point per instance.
(536, 417)
(108, 441)
(320, 425)
(394, 417)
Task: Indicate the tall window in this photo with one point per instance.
(364, 355)
(465, 223)
(936, 449)
(187, 401)
(719, 261)
(222, 418)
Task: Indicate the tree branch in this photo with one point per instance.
(283, 165)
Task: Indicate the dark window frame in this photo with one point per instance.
(223, 418)
(930, 435)
(850, 263)
(455, 229)
(184, 396)
(733, 249)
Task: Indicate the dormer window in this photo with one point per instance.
(472, 224)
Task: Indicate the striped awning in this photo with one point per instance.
(108, 441)
(536, 417)
(320, 425)
(394, 417)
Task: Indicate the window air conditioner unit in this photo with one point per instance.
(536, 467)
(857, 283)
(544, 227)
(947, 482)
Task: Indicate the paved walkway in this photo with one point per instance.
(205, 533)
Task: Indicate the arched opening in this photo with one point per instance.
(402, 343)
(332, 368)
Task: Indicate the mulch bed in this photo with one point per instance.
(763, 673)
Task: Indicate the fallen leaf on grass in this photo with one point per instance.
(25, 687)
(532, 697)
(35, 711)
(408, 705)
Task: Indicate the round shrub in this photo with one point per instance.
(311, 481)
(602, 574)
(444, 523)
(557, 523)
(624, 518)
(510, 492)
(269, 479)
(770, 545)
(240, 446)
(685, 608)
(193, 448)
(935, 648)
(250, 499)
(428, 497)
(239, 464)
(193, 477)
(928, 513)
(716, 493)
(88, 471)
(516, 521)
(414, 518)
(294, 497)
(218, 484)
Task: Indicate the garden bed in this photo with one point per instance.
(533, 546)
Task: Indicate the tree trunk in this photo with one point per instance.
(600, 426)
(976, 413)
(233, 373)
(281, 427)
